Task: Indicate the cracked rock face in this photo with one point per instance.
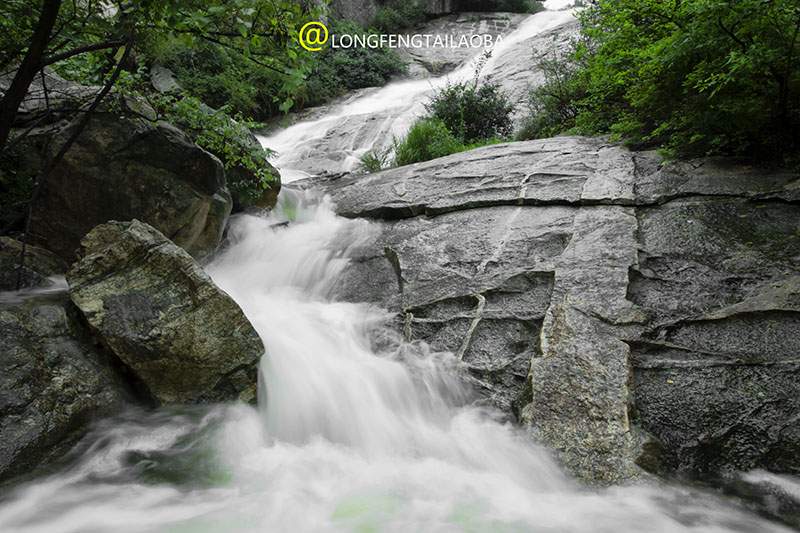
(54, 381)
(629, 313)
(182, 338)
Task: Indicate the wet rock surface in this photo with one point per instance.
(630, 313)
(125, 168)
(518, 69)
(54, 381)
(717, 370)
(152, 306)
(38, 265)
(335, 136)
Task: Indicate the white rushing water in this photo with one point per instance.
(347, 436)
(355, 430)
(397, 105)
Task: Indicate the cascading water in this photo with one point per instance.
(394, 108)
(355, 430)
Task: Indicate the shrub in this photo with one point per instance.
(375, 160)
(341, 69)
(427, 139)
(473, 111)
(553, 107)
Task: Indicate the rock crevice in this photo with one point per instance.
(590, 290)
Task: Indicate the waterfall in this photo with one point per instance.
(372, 119)
(355, 429)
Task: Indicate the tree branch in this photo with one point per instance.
(79, 127)
(81, 50)
(27, 70)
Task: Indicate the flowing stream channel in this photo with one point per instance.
(354, 430)
(373, 118)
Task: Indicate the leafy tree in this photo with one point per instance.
(263, 32)
(693, 76)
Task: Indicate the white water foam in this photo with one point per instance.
(350, 434)
(400, 102)
(347, 436)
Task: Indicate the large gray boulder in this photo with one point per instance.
(154, 308)
(123, 168)
(50, 98)
(54, 380)
(630, 313)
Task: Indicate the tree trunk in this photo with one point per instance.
(27, 70)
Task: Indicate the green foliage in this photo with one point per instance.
(17, 177)
(338, 70)
(225, 133)
(242, 54)
(461, 116)
(430, 138)
(552, 107)
(78, 23)
(427, 139)
(473, 110)
(227, 136)
(239, 53)
(17, 22)
(399, 15)
(694, 77)
(513, 6)
(221, 76)
(375, 160)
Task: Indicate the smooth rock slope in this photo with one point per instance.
(630, 313)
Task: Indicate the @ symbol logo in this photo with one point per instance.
(313, 36)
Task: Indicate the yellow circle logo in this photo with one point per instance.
(313, 36)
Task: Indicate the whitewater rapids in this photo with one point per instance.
(355, 430)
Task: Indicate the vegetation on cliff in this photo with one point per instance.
(111, 50)
(460, 116)
(694, 77)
